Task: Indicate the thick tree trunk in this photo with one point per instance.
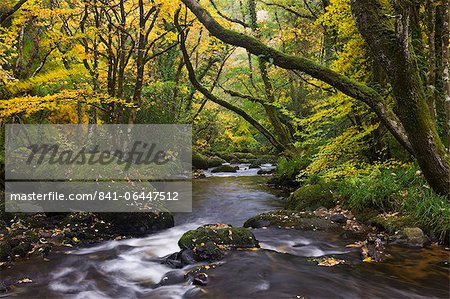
(446, 67)
(390, 39)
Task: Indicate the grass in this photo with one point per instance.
(381, 191)
(400, 190)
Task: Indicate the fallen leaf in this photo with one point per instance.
(367, 259)
(357, 244)
(330, 262)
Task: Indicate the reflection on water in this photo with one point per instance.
(283, 268)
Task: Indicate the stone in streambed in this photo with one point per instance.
(136, 224)
(199, 161)
(413, 236)
(172, 277)
(338, 218)
(266, 171)
(200, 279)
(210, 242)
(22, 249)
(225, 168)
(215, 161)
(291, 219)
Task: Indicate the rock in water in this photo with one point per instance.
(338, 218)
(291, 219)
(225, 168)
(210, 242)
(172, 277)
(413, 236)
(266, 171)
(200, 279)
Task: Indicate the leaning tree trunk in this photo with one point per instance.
(390, 38)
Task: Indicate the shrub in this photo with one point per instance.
(291, 168)
(311, 197)
(400, 190)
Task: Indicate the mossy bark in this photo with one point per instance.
(391, 39)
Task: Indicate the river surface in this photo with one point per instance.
(283, 268)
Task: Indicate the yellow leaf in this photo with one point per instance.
(367, 259)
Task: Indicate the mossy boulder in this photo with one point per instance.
(211, 242)
(254, 165)
(199, 161)
(225, 168)
(291, 219)
(228, 157)
(312, 197)
(266, 159)
(389, 224)
(413, 236)
(215, 161)
(22, 249)
(266, 171)
(136, 224)
(223, 235)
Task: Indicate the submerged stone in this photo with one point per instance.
(290, 219)
(210, 242)
(225, 168)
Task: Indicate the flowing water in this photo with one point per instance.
(283, 268)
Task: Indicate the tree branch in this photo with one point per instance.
(213, 98)
(349, 87)
(6, 15)
(237, 21)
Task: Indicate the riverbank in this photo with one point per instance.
(285, 265)
(36, 235)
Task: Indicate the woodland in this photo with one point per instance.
(349, 98)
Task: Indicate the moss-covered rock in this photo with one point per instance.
(291, 219)
(22, 249)
(389, 224)
(265, 159)
(199, 161)
(136, 224)
(229, 157)
(210, 243)
(311, 197)
(222, 235)
(413, 236)
(225, 168)
(215, 161)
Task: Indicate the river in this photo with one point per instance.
(283, 268)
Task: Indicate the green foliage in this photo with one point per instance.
(381, 189)
(311, 197)
(291, 168)
(429, 211)
(399, 189)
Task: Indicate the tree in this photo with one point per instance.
(411, 124)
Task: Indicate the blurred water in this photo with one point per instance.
(283, 268)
